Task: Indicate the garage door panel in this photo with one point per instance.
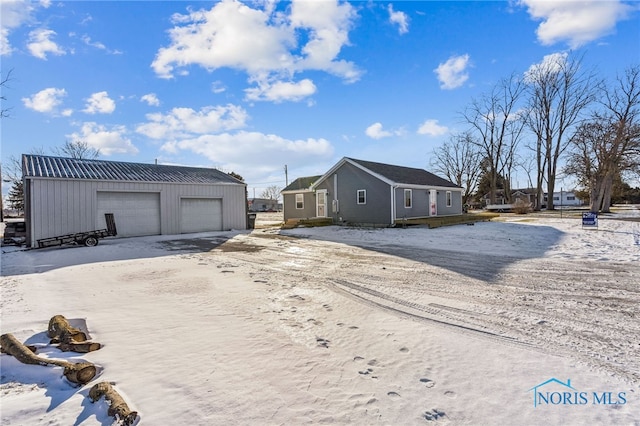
(200, 215)
(135, 213)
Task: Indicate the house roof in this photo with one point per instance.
(404, 175)
(41, 166)
(301, 183)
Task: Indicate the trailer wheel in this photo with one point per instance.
(90, 241)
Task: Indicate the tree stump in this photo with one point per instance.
(61, 331)
(117, 407)
(80, 372)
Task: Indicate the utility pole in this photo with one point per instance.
(286, 176)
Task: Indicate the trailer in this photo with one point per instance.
(500, 208)
(86, 238)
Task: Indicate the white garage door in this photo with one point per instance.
(135, 213)
(200, 215)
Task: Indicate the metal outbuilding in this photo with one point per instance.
(67, 195)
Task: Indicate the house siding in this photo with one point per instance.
(289, 205)
(419, 205)
(62, 206)
(350, 179)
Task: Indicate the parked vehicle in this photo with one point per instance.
(87, 238)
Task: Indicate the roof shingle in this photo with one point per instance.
(405, 175)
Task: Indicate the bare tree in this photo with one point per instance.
(271, 192)
(559, 93)
(79, 149)
(608, 145)
(4, 112)
(498, 129)
(458, 160)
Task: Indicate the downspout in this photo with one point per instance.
(393, 204)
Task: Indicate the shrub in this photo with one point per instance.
(520, 207)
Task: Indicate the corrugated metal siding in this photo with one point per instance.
(59, 206)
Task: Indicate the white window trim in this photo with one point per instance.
(364, 191)
(301, 201)
(410, 198)
(449, 199)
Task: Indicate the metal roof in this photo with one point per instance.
(41, 166)
(404, 175)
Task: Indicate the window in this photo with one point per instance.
(570, 198)
(448, 198)
(407, 198)
(362, 196)
(299, 201)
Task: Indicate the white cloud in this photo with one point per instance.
(281, 91)
(453, 73)
(400, 19)
(576, 22)
(231, 34)
(186, 122)
(151, 99)
(432, 128)
(13, 14)
(46, 100)
(550, 64)
(218, 87)
(375, 131)
(108, 140)
(40, 43)
(100, 103)
(327, 24)
(261, 42)
(254, 151)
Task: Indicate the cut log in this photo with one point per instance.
(117, 407)
(81, 347)
(32, 348)
(61, 331)
(80, 372)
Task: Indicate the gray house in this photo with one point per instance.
(66, 195)
(364, 192)
(299, 200)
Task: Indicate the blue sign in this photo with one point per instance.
(590, 219)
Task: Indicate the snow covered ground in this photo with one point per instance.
(455, 325)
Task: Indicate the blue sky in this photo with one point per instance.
(251, 86)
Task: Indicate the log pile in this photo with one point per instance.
(79, 373)
(68, 338)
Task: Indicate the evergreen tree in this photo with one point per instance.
(16, 196)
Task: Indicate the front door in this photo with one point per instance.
(433, 202)
(321, 203)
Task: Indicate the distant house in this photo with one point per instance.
(563, 199)
(263, 205)
(368, 193)
(528, 195)
(299, 200)
(67, 195)
(525, 195)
